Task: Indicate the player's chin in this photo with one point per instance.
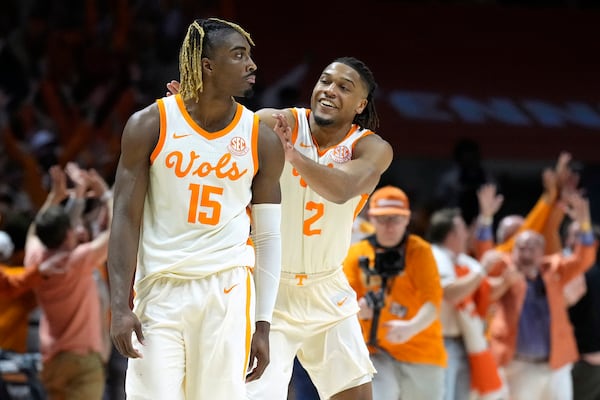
(248, 91)
(323, 119)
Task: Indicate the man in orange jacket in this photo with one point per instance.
(531, 335)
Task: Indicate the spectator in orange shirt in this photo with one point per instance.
(396, 280)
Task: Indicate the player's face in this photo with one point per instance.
(339, 95)
(232, 67)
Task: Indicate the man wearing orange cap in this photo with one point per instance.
(397, 283)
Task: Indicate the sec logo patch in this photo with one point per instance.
(341, 154)
(237, 146)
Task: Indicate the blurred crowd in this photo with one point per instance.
(73, 72)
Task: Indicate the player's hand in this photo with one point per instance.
(122, 324)
(173, 87)
(259, 351)
(283, 130)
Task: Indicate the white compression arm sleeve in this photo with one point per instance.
(266, 236)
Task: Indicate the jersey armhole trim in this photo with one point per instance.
(162, 135)
(254, 146)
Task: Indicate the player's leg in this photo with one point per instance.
(160, 373)
(288, 329)
(301, 384)
(275, 380)
(218, 344)
(338, 362)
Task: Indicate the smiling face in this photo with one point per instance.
(338, 96)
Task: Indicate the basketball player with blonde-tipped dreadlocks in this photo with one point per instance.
(190, 167)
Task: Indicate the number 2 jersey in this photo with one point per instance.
(195, 219)
(315, 232)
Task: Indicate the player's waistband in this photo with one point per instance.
(143, 285)
(305, 278)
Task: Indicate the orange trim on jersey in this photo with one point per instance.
(350, 132)
(162, 135)
(201, 131)
(249, 214)
(363, 200)
(248, 322)
(295, 131)
(255, 130)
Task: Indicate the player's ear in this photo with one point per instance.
(361, 106)
(206, 64)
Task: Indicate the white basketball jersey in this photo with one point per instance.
(315, 232)
(195, 219)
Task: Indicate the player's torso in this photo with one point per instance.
(195, 214)
(316, 232)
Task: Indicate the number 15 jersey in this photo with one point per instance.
(195, 219)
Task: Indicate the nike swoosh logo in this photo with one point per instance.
(342, 301)
(302, 144)
(181, 135)
(229, 289)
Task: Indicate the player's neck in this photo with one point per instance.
(211, 113)
(329, 135)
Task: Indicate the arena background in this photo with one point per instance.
(520, 79)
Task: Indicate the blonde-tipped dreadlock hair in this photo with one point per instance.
(197, 40)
